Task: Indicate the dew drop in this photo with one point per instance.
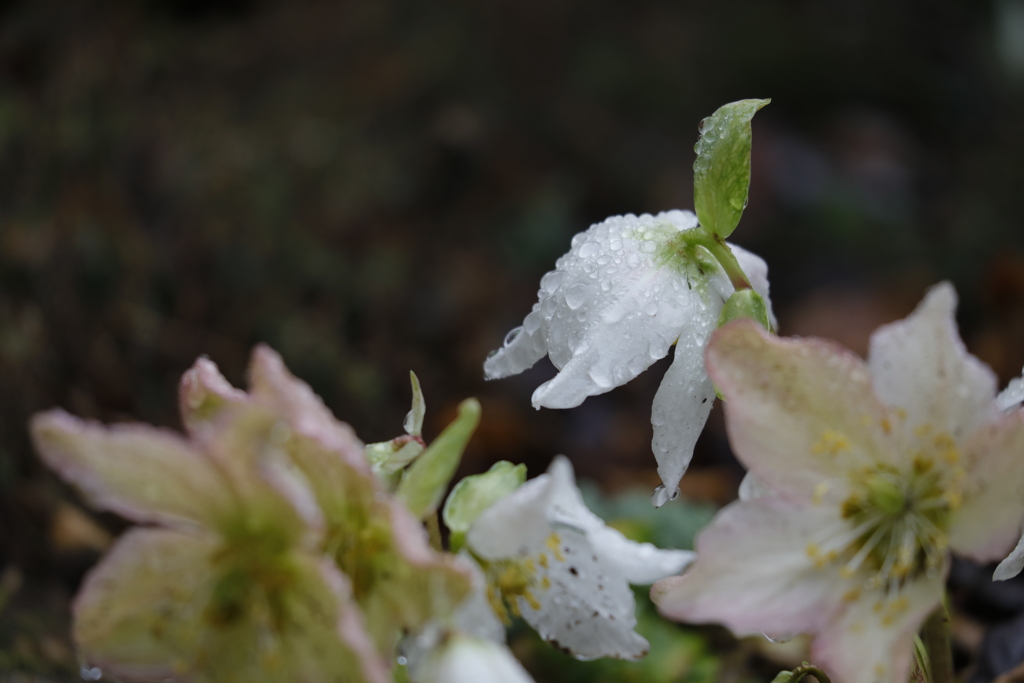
(576, 295)
(589, 250)
(401, 661)
(90, 673)
(662, 495)
(511, 336)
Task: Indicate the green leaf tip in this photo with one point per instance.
(745, 303)
(477, 492)
(414, 418)
(426, 480)
(721, 172)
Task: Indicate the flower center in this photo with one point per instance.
(895, 523)
(512, 578)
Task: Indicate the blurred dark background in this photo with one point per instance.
(374, 186)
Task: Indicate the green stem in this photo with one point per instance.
(805, 670)
(935, 635)
(434, 530)
(721, 252)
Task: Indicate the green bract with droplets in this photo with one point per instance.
(721, 172)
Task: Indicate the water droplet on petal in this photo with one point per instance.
(662, 495)
(589, 250)
(576, 295)
(511, 336)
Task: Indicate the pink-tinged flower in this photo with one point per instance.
(869, 473)
(557, 564)
(230, 584)
(398, 581)
(627, 291)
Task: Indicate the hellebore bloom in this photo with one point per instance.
(871, 472)
(555, 563)
(398, 581)
(629, 288)
(230, 584)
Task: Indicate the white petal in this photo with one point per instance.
(988, 519)
(873, 641)
(515, 525)
(681, 408)
(754, 572)
(523, 347)
(920, 365)
(757, 273)
(637, 563)
(470, 660)
(1013, 563)
(587, 610)
(474, 616)
(752, 487)
(1012, 396)
(612, 308)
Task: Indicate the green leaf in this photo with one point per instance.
(427, 479)
(476, 493)
(721, 173)
(745, 303)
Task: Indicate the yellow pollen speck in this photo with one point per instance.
(813, 550)
(886, 425)
(530, 566)
(532, 601)
(900, 413)
(846, 573)
(952, 456)
(545, 583)
(831, 443)
(819, 492)
(879, 670)
(953, 499)
(553, 544)
(542, 560)
(922, 464)
(851, 595)
(878, 606)
(922, 430)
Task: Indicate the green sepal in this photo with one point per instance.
(783, 677)
(389, 458)
(721, 172)
(745, 303)
(476, 493)
(426, 480)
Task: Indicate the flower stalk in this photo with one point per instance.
(935, 635)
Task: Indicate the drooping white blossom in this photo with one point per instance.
(557, 564)
(629, 289)
(870, 474)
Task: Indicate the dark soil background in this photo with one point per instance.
(374, 186)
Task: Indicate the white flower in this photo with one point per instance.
(556, 563)
(465, 659)
(624, 294)
(869, 473)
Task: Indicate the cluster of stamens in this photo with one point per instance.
(519, 577)
(894, 524)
